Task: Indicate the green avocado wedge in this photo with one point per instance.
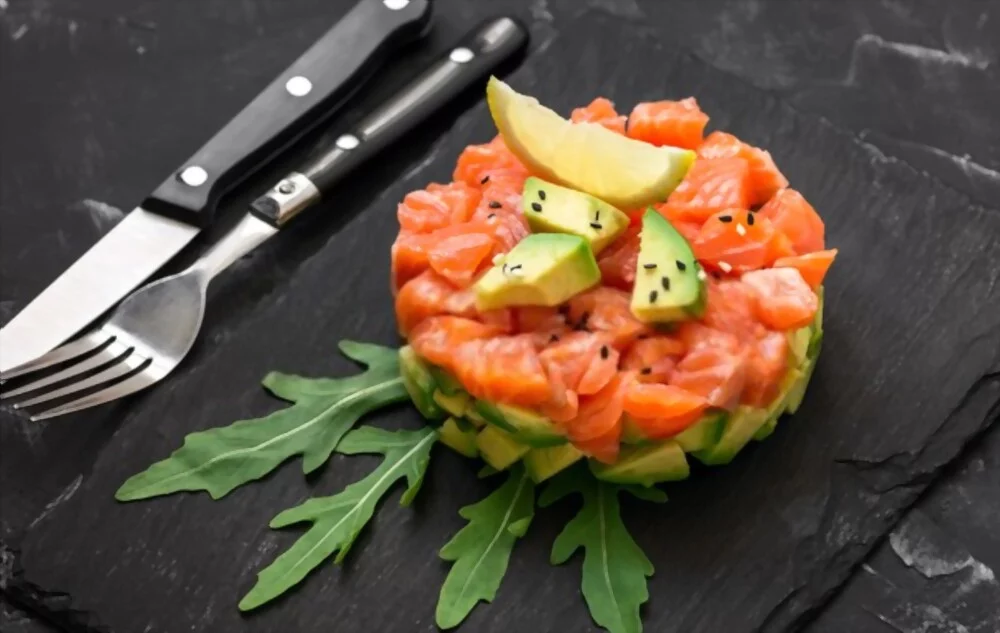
(544, 269)
(669, 281)
(549, 208)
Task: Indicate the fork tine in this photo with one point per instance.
(88, 343)
(112, 352)
(128, 386)
(119, 370)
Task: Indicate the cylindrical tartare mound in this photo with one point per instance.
(549, 326)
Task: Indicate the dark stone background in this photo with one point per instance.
(102, 97)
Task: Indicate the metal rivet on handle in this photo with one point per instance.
(194, 176)
(348, 142)
(286, 187)
(298, 86)
(461, 55)
(396, 5)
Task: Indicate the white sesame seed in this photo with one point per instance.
(742, 230)
(498, 259)
(726, 268)
(701, 275)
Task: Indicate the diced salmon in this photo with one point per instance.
(618, 261)
(734, 241)
(662, 410)
(729, 308)
(601, 111)
(502, 369)
(438, 337)
(600, 413)
(766, 366)
(430, 294)
(793, 216)
(582, 361)
(478, 163)
(716, 374)
(812, 266)
(437, 206)
(677, 123)
(606, 310)
(654, 357)
(709, 187)
(604, 448)
(458, 258)
(765, 178)
(782, 298)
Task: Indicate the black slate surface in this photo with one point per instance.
(912, 380)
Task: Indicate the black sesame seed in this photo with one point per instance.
(750, 219)
(537, 207)
(495, 205)
(649, 266)
(596, 226)
(645, 371)
(605, 352)
(665, 281)
(582, 324)
(541, 194)
(652, 296)
(681, 266)
(597, 216)
(554, 338)
(491, 216)
(725, 218)
(517, 267)
(485, 180)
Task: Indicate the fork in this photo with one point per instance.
(154, 328)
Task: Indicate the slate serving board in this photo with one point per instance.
(910, 374)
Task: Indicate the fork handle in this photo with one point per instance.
(468, 62)
(293, 104)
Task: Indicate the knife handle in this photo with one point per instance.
(294, 103)
(469, 61)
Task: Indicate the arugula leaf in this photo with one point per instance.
(222, 459)
(337, 520)
(614, 567)
(481, 550)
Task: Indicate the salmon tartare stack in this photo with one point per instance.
(626, 290)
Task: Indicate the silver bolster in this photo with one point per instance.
(294, 193)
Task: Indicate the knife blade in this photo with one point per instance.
(298, 100)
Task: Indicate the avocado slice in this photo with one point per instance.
(419, 383)
(645, 465)
(528, 427)
(798, 392)
(740, 428)
(798, 345)
(456, 404)
(704, 433)
(448, 385)
(632, 434)
(459, 436)
(549, 208)
(544, 269)
(669, 282)
(542, 463)
(498, 448)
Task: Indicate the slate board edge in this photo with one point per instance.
(799, 606)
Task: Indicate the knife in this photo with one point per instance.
(293, 104)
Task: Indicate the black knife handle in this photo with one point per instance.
(299, 99)
(469, 61)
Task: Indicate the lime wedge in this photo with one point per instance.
(585, 156)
